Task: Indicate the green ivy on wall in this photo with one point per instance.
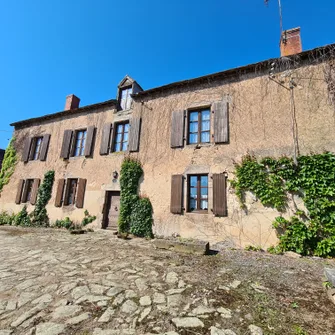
(8, 164)
(135, 213)
(40, 216)
(141, 218)
(312, 179)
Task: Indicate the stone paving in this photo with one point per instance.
(54, 283)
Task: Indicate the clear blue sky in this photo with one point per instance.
(57, 47)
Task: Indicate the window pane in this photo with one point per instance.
(193, 192)
(205, 137)
(204, 125)
(204, 180)
(193, 138)
(204, 193)
(119, 129)
(117, 147)
(76, 152)
(124, 146)
(126, 127)
(194, 116)
(193, 204)
(124, 94)
(203, 204)
(205, 115)
(193, 127)
(193, 181)
(118, 138)
(125, 137)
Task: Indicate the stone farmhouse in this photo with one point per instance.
(187, 135)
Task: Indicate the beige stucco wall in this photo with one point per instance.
(260, 122)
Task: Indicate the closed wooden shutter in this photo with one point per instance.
(32, 148)
(65, 152)
(34, 191)
(221, 132)
(80, 193)
(26, 149)
(177, 129)
(105, 139)
(219, 194)
(25, 191)
(89, 141)
(45, 147)
(134, 134)
(60, 191)
(177, 194)
(19, 191)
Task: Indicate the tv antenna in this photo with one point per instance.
(280, 14)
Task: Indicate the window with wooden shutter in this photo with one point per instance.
(121, 136)
(221, 122)
(106, 139)
(66, 146)
(220, 194)
(177, 129)
(26, 149)
(134, 134)
(80, 193)
(199, 129)
(19, 191)
(34, 191)
(89, 141)
(197, 193)
(59, 194)
(176, 206)
(45, 147)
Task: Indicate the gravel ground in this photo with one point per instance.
(54, 283)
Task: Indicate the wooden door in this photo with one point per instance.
(111, 210)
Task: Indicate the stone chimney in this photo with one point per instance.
(290, 42)
(72, 102)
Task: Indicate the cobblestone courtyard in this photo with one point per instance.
(54, 283)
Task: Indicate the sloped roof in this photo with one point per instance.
(112, 103)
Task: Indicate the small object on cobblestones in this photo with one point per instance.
(255, 330)
(188, 322)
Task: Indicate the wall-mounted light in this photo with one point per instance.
(115, 174)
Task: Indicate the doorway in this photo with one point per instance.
(111, 210)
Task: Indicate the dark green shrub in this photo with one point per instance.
(135, 213)
(40, 216)
(22, 218)
(88, 218)
(131, 172)
(7, 219)
(66, 223)
(141, 218)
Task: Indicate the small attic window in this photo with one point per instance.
(125, 98)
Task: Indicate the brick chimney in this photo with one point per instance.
(72, 102)
(290, 42)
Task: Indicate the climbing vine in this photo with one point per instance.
(40, 216)
(313, 179)
(135, 213)
(141, 218)
(8, 164)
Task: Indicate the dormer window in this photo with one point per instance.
(125, 98)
